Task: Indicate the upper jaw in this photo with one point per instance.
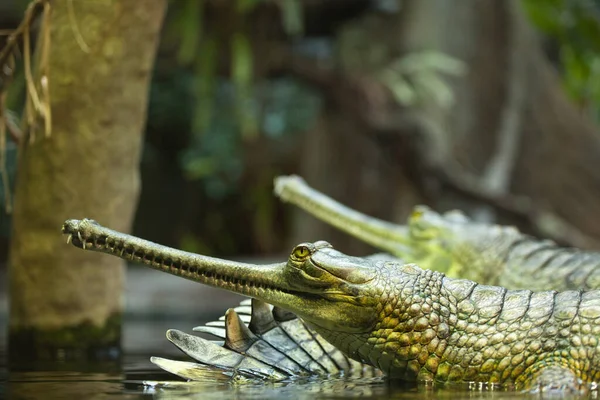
(346, 269)
(278, 284)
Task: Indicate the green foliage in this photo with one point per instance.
(412, 78)
(280, 107)
(244, 6)
(417, 76)
(575, 26)
(206, 72)
(189, 20)
(241, 75)
(229, 110)
(292, 16)
(199, 47)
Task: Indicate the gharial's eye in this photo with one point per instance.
(301, 252)
(416, 215)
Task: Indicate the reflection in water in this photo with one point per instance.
(130, 376)
(134, 383)
(63, 385)
(372, 388)
(3, 369)
(307, 389)
(61, 379)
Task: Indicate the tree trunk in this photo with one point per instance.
(99, 70)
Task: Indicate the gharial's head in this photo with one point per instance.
(451, 242)
(322, 285)
(335, 291)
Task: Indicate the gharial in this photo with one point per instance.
(360, 316)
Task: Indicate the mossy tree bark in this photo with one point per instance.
(99, 71)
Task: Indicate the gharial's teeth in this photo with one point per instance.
(82, 240)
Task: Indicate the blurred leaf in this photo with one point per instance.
(244, 6)
(430, 84)
(197, 168)
(292, 15)
(575, 26)
(193, 244)
(576, 71)
(190, 24)
(416, 62)
(289, 106)
(241, 60)
(217, 157)
(242, 74)
(546, 14)
(594, 86)
(402, 91)
(416, 76)
(206, 71)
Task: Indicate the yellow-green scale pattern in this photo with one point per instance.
(431, 327)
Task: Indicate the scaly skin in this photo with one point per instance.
(411, 323)
(457, 246)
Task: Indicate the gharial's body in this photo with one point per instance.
(430, 327)
(409, 322)
(459, 247)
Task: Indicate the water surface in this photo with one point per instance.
(139, 380)
(134, 377)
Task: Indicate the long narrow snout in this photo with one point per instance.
(265, 282)
(389, 237)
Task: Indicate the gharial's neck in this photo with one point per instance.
(431, 327)
(412, 328)
(482, 259)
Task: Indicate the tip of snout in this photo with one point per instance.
(69, 226)
(281, 183)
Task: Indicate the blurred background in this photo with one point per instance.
(381, 104)
(491, 107)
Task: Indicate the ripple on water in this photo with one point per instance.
(134, 377)
(137, 379)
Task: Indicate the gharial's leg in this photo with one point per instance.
(553, 379)
(381, 234)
